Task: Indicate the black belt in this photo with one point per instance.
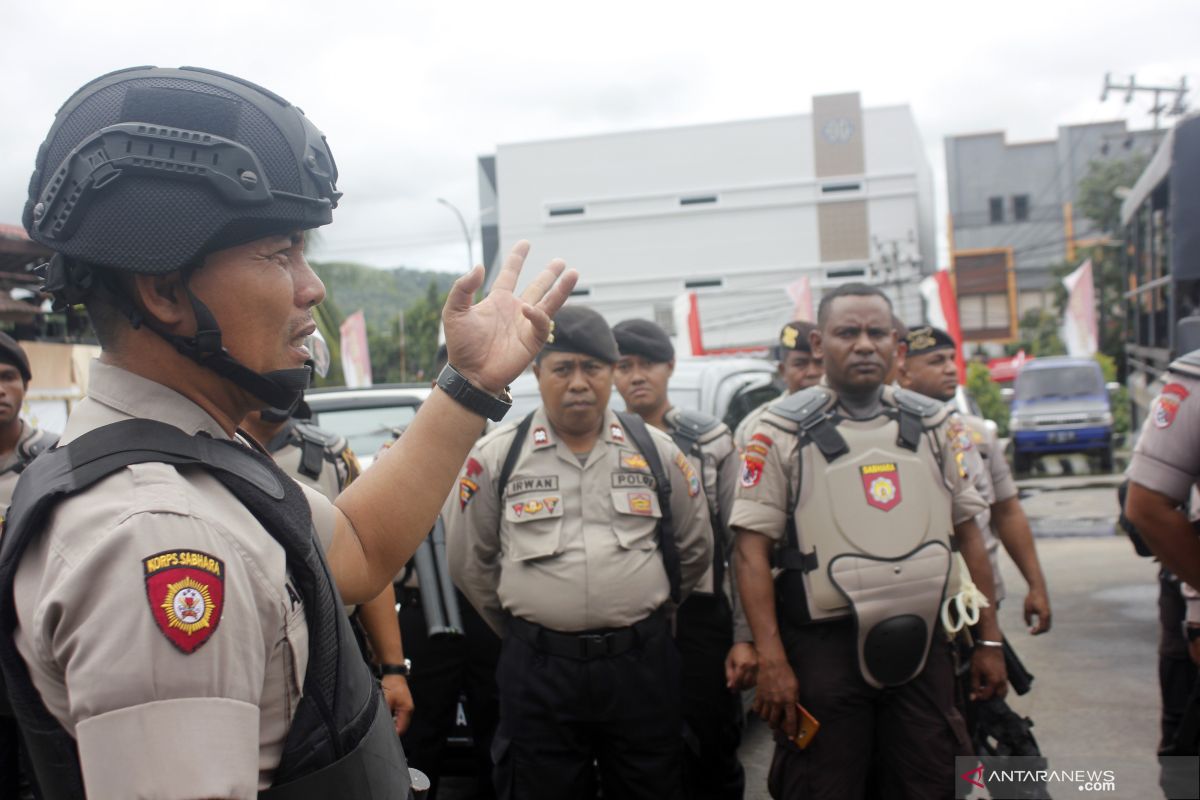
(588, 645)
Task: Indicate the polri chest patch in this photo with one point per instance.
(881, 483)
(186, 591)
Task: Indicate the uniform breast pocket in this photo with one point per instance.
(534, 526)
(637, 517)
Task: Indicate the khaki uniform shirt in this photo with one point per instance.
(151, 720)
(338, 469)
(742, 434)
(763, 500)
(1167, 456)
(9, 475)
(572, 546)
(718, 464)
(996, 486)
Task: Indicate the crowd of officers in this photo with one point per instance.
(193, 582)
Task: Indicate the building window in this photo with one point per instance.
(996, 210)
(705, 283)
(698, 200)
(566, 211)
(1021, 207)
(829, 188)
(983, 312)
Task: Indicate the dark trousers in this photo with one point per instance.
(563, 720)
(1176, 672)
(445, 668)
(912, 731)
(712, 714)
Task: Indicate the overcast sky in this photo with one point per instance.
(410, 94)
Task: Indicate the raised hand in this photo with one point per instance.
(492, 341)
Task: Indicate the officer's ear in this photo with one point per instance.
(814, 342)
(670, 368)
(163, 298)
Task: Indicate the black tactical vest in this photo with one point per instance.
(341, 742)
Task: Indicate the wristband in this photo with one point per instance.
(474, 399)
(396, 669)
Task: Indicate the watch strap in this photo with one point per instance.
(396, 669)
(474, 399)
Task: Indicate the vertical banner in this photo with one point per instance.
(1079, 317)
(800, 292)
(942, 310)
(356, 358)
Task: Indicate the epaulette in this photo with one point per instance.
(931, 412)
(1188, 364)
(804, 406)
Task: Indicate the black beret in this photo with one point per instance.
(12, 353)
(641, 337)
(794, 336)
(577, 329)
(926, 339)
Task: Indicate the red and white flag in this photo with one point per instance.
(800, 291)
(1079, 317)
(942, 311)
(356, 358)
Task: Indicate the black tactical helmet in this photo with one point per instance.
(148, 170)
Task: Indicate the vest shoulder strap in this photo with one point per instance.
(691, 427)
(35, 445)
(1188, 364)
(635, 426)
(514, 452)
(316, 447)
(810, 409)
(918, 413)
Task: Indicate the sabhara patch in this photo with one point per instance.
(689, 474)
(881, 482)
(1167, 404)
(186, 591)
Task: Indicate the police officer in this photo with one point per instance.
(20, 442)
(718, 657)
(1163, 474)
(572, 533)
(929, 369)
(857, 485)
(172, 628)
(323, 460)
(798, 369)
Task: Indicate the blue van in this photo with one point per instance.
(1060, 405)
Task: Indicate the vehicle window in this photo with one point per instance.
(746, 401)
(1058, 383)
(366, 429)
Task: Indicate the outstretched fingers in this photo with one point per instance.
(506, 280)
(462, 292)
(553, 297)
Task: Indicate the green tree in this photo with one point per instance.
(987, 393)
(1038, 330)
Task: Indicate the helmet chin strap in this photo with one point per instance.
(281, 388)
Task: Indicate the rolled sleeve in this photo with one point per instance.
(1167, 457)
(211, 745)
(764, 483)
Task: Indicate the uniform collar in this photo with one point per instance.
(115, 394)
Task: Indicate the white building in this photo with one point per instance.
(733, 211)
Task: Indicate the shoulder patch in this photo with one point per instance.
(186, 591)
(689, 474)
(468, 484)
(1166, 407)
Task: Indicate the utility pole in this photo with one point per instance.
(1177, 109)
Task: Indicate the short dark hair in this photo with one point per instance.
(852, 289)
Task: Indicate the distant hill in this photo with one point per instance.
(380, 293)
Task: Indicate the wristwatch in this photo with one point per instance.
(396, 669)
(453, 383)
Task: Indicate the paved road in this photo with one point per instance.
(1095, 695)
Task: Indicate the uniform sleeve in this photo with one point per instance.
(764, 481)
(689, 514)
(961, 468)
(162, 632)
(324, 514)
(1003, 485)
(1167, 457)
(472, 519)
